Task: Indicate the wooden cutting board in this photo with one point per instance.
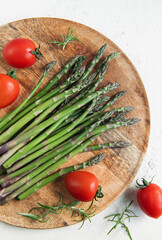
(120, 166)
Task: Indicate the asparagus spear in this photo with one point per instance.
(13, 113)
(107, 145)
(111, 101)
(94, 61)
(100, 78)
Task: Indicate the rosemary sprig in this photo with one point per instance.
(68, 38)
(119, 218)
(44, 211)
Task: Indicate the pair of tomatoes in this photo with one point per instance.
(18, 53)
(83, 186)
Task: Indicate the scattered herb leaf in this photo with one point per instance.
(68, 38)
(119, 219)
(45, 211)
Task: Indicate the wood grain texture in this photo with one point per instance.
(120, 166)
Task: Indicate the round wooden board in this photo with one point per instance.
(120, 166)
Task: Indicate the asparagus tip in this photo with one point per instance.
(128, 109)
(122, 144)
(50, 65)
(120, 94)
(113, 55)
(84, 57)
(103, 48)
(132, 121)
(97, 159)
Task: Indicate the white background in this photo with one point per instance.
(136, 27)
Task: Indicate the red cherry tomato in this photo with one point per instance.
(82, 185)
(17, 53)
(9, 90)
(149, 198)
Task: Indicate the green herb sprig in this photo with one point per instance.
(119, 219)
(45, 211)
(68, 38)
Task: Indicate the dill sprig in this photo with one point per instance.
(78, 212)
(119, 219)
(68, 38)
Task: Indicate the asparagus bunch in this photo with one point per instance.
(51, 127)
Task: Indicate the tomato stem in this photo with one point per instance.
(37, 52)
(99, 193)
(12, 73)
(144, 184)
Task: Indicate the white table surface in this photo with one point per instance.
(136, 27)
